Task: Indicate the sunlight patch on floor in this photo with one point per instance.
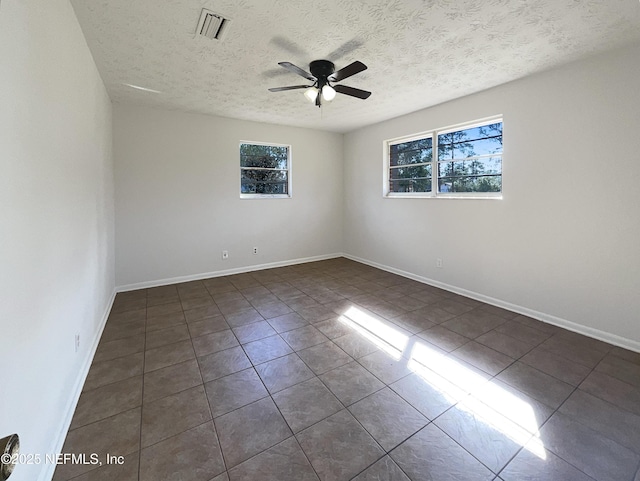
(496, 407)
(457, 373)
(381, 334)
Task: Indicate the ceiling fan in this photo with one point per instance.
(323, 73)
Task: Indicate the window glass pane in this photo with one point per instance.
(450, 169)
(410, 179)
(410, 185)
(411, 172)
(264, 188)
(478, 175)
(412, 157)
(461, 150)
(481, 183)
(414, 152)
(266, 156)
(264, 181)
(483, 131)
(252, 175)
(488, 165)
(461, 144)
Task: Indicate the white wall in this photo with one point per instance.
(56, 220)
(178, 203)
(564, 241)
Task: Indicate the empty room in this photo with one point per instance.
(343, 240)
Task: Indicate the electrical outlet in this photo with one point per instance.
(77, 344)
(439, 263)
(255, 251)
(225, 255)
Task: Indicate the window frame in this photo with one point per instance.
(435, 163)
(289, 193)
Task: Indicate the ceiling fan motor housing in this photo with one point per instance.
(321, 69)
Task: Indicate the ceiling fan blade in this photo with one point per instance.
(298, 70)
(354, 92)
(348, 71)
(290, 87)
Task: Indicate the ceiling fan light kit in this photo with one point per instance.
(328, 93)
(323, 72)
(311, 93)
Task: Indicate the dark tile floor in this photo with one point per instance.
(334, 370)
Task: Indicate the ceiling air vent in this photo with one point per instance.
(211, 25)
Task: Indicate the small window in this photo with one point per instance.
(265, 170)
(468, 162)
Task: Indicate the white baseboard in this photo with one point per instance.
(541, 316)
(226, 272)
(47, 473)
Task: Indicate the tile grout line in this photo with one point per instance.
(204, 390)
(144, 361)
(345, 407)
(269, 394)
(252, 367)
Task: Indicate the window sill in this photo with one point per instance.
(265, 196)
(444, 196)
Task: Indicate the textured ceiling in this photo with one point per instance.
(419, 52)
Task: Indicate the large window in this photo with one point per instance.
(468, 162)
(265, 170)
